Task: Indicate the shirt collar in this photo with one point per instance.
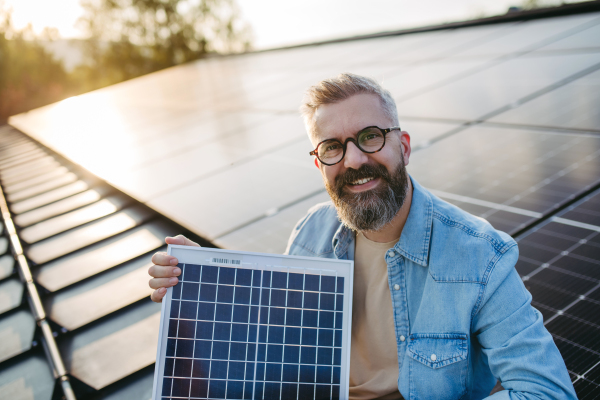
(416, 234)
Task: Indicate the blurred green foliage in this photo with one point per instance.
(126, 39)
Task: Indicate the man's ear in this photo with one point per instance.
(317, 163)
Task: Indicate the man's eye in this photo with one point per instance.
(332, 147)
(370, 136)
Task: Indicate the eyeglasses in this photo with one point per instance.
(368, 140)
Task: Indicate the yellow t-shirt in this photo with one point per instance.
(373, 357)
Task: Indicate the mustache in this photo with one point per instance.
(365, 171)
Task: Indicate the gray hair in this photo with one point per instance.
(340, 88)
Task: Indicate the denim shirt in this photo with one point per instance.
(462, 315)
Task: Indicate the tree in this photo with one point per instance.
(129, 38)
(29, 76)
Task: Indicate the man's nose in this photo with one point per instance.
(354, 157)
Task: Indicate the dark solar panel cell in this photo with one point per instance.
(292, 335)
(311, 282)
(184, 348)
(568, 230)
(192, 273)
(189, 291)
(325, 356)
(239, 332)
(594, 374)
(204, 330)
(294, 299)
(537, 253)
(278, 297)
(236, 370)
(308, 355)
(202, 349)
(338, 338)
(595, 295)
(586, 390)
(291, 354)
(209, 274)
(588, 251)
(189, 309)
(326, 319)
(325, 337)
(279, 280)
(273, 371)
(208, 292)
(293, 317)
(199, 388)
(276, 334)
(216, 389)
(226, 276)
(243, 277)
(235, 390)
(201, 369)
(225, 294)
(218, 370)
(222, 331)
(578, 332)
(183, 367)
(311, 300)
(307, 373)
(289, 391)
(242, 295)
(324, 374)
(548, 296)
(265, 297)
(223, 312)
(328, 284)
(586, 310)
(546, 240)
(563, 281)
(310, 318)
(582, 267)
(238, 351)
(339, 319)
(206, 311)
(296, 281)
(577, 359)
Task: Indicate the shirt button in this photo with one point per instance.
(391, 253)
(433, 357)
(402, 338)
(396, 287)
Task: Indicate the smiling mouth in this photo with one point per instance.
(361, 181)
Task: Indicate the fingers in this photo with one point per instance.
(162, 258)
(180, 240)
(158, 295)
(157, 283)
(159, 271)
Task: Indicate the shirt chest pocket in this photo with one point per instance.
(438, 365)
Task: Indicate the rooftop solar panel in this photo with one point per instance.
(255, 326)
(559, 262)
(515, 176)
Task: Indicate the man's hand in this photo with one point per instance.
(164, 272)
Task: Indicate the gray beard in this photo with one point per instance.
(373, 209)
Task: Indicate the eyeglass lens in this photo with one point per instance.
(369, 140)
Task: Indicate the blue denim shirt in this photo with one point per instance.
(462, 315)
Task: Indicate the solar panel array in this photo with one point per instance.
(504, 123)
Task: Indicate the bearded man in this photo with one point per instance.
(439, 312)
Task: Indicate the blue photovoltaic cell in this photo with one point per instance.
(237, 333)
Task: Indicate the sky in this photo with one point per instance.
(278, 23)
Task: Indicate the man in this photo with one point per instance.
(438, 310)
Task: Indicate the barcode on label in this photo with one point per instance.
(226, 261)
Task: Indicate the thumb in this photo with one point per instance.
(180, 240)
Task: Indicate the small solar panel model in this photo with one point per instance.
(243, 325)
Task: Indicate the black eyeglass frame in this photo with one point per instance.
(384, 132)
